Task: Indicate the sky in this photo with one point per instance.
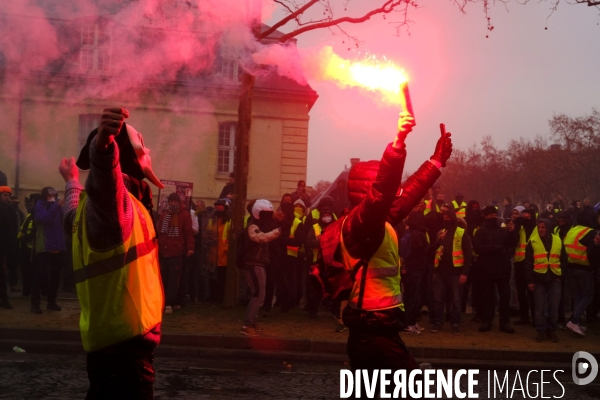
(508, 85)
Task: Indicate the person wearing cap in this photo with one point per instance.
(459, 205)
(524, 221)
(216, 245)
(365, 246)
(9, 228)
(492, 244)
(50, 248)
(175, 241)
(262, 229)
(544, 258)
(452, 262)
(115, 258)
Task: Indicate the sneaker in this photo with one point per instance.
(248, 331)
(455, 330)
(540, 336)
(256, 328)
(36, 309)
(551, 335)
(522, 321)
(5, 304)
(436, 328)
(507, 329)
(53, 306)
(419, 327)
(168, 310)
(575, 328)
(412, 330)
(341, 328)
(486, 326)
(583, 328)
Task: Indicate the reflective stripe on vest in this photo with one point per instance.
(460, 210)
(293, 250)
(120, 290)
(521, 247)
(382, 286)
(458, 258)
(541, 259)
(318, 231)
(427, 209)
(576, 252)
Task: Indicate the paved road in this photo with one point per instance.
(32, 376)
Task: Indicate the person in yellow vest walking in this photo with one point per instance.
(364, 244)
(453, 255)
(175, 241)
(115, 258)
(582, 245)
(459, 205)
(543, 258)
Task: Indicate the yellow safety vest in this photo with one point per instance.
(26, 230)
(318, 231)
(120, 290)
(458, 257)
(293, 250)
(460, 210)
(522, 246)
(576, 252)
(541, 258)
(382, 286)
(246, 220)
(316, 215)
(427, 209)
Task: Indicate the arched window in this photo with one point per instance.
(226, 151)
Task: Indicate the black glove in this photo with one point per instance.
(443, 149)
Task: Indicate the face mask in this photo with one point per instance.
(298, 211)
(327, 219)
(52, 199)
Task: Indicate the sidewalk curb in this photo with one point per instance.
(185, 345)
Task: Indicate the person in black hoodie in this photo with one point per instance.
(492, 244)
(452, 261)
(543, 278)
(413, 251)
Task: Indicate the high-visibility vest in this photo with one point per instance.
(26, 230)
(427, 209)
(246, 220)
(576, 252)
(293, 250)
(458, 257)
(522, 246)
(220, 253)
(120, 290)
(316, 215)
(318, 231)
(541, 258)
(460, 210)
(382, 284)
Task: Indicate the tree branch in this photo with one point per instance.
(287, 19)
(386, 8)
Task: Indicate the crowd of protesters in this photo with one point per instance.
(540, 266)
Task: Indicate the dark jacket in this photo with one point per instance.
(174, 246)
(493, 244)
(446, 265)
(227, 189)
(9, 223)
(49, 227)
(415, 256)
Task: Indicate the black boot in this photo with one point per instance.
(35, 308)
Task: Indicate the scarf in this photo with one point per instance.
(170, 224)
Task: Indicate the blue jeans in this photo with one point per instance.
(546, 297)
(581, 286)
(443, 284)
(256, 279)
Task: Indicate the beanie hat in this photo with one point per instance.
(487, 210)
(5, 189)
(360, 179)
(299, 202)
(326, 201)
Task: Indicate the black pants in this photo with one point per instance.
(121, 372)
(46, 274)
(170, 270)
(314, 294)
(488, 304)
(271, 270)
(9, 253)
(289, 274)
(68, 283)
(523, 294)
(27, 269)
(217, 286)
(412, 293)
(383, 349)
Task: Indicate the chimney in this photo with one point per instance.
(354, 161)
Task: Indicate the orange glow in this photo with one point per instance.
(384, 77)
